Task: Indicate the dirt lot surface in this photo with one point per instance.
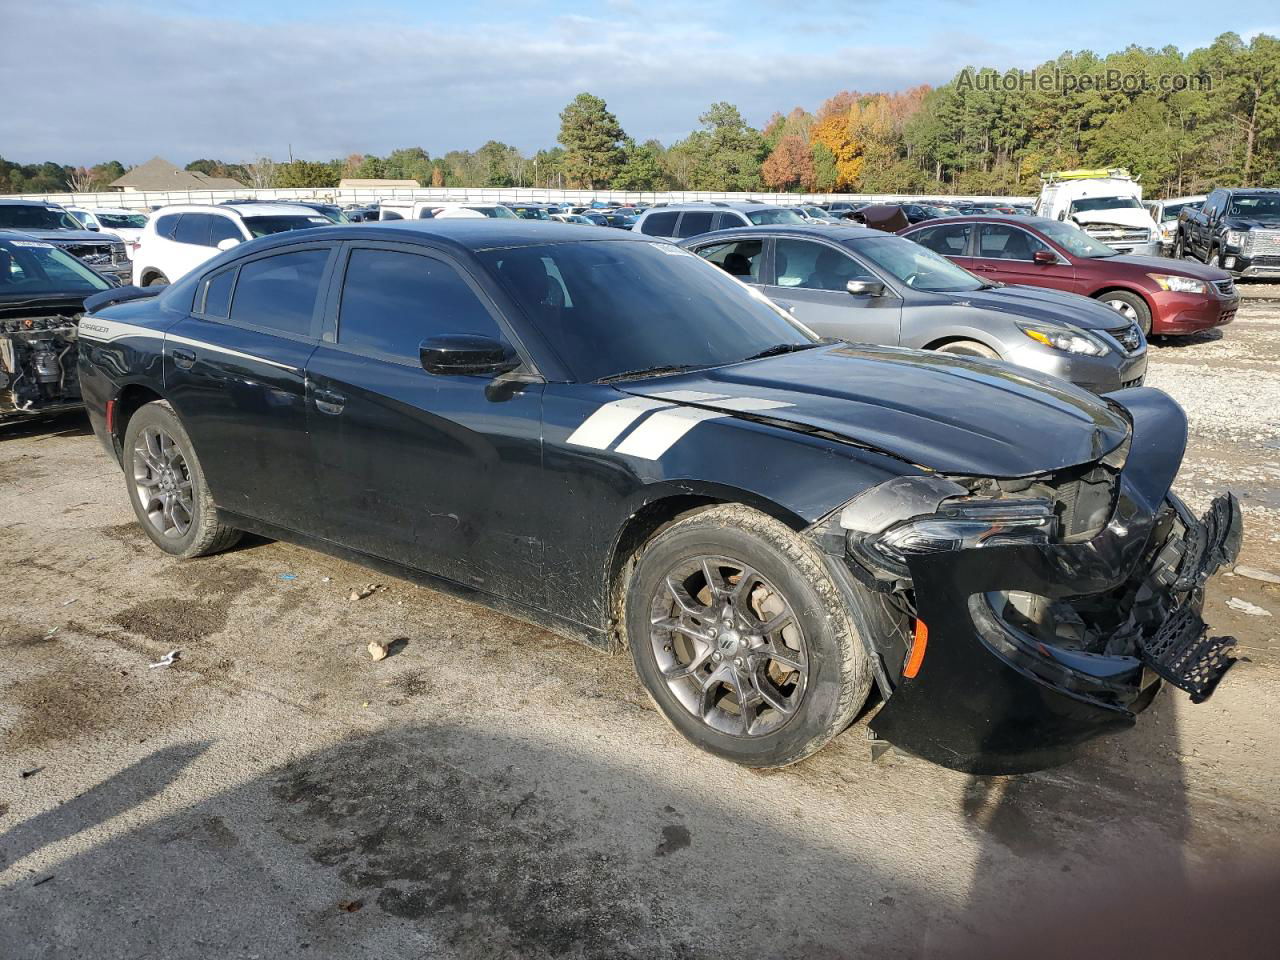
(490, 790)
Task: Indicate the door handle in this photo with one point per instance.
(329, 402)
(183, 358)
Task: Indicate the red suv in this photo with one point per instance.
(1162, 296)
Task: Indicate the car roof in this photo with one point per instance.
(806, 230)
(269, 209)
(1023, 218)
(32, 203)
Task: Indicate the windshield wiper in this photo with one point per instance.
(659, 371)
(780, 348)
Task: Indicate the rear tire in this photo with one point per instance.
(1129, 305)
(729, 607)
(969, 348)
(167, 487)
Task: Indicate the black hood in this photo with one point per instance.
(951, 414)
(1248, 223)
(59, 237)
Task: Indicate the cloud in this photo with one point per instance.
(234, 88)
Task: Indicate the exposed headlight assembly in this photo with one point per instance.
(1178, 284)
(963, 525)
(1066, 339)
(1235, 238)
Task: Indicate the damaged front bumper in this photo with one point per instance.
(1003, 659)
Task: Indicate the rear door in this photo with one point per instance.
(234, 370)
(427, 470)
(1006, 252)
(808, 280)
(742, 258)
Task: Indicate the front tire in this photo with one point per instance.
(167, 487)
(1179, 248)
(741, 638)
(1131, 306)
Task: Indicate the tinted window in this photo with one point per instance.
(777, 215)
(608, 308)
(280, 292)
(814, 266)
(193, 228)
(223, 228)
(264, 226)
(694, 223)
(1001, 241)
(217, 293)
(658, 225)
(950, 241)
(166, 225)
(393, 301)
(741, 258)
(729, 220)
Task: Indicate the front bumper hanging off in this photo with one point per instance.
(989, 697)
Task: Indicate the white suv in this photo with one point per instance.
(116, 221)
(178, 239)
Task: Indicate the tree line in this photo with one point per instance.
(1183, 122)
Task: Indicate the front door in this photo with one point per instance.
(427, 470)
(234, 371)
(809, 281)
(1006, 253)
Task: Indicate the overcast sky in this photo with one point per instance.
(89, 81)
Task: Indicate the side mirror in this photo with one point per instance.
(227, 243)
(1045, 258)
(93, 226)
(466, 355)
(865, 288)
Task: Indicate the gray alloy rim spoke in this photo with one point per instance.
(716, 629)
(163, 484)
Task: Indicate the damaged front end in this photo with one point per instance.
(38, 364)
(1010, 620)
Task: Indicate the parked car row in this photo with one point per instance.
(601, 432)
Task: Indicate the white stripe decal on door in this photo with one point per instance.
(659, 433)
(606, 424)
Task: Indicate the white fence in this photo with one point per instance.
(145, 200)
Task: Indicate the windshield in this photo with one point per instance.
(334, 214)
(264, 226)
(31, 267)
(770, 217)
(916, 266)
(613, 307)
(118, 221)
(1074, 240)
(23, 216)
(1262, 205)
(1105, 203)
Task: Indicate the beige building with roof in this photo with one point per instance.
(158, 174)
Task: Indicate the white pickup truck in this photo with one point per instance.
(1106, 204)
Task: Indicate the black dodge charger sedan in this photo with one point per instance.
(604, 434)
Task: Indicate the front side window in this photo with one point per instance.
(916, 266)
(814, 266)
(280, 292)
(34, 267)
(1002, 241)
(743, 259)
(392, 301)
(223, 228)
(609, 308)
(951, 240)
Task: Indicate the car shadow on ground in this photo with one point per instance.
(1191, 340)
(74, 424)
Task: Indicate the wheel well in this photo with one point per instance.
(943, 341)
(1099, 294)
(131, 399)
(645, 524)
(148, 274)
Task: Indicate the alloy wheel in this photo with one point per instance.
(729, 646)
(1124, 308)
(162, 483)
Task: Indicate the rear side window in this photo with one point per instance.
(215, 300)
(280, 292)
(694, 223)
(223, 228)
(194, 229)
(166, 225)
(951, 240)
(660, 225)
(392, 301)
(740, 258)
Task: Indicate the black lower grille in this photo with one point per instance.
(1182, 654)
(1126, 384)
(1226, 287)
(1128, 336)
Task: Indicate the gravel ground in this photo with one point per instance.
(490, 790)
